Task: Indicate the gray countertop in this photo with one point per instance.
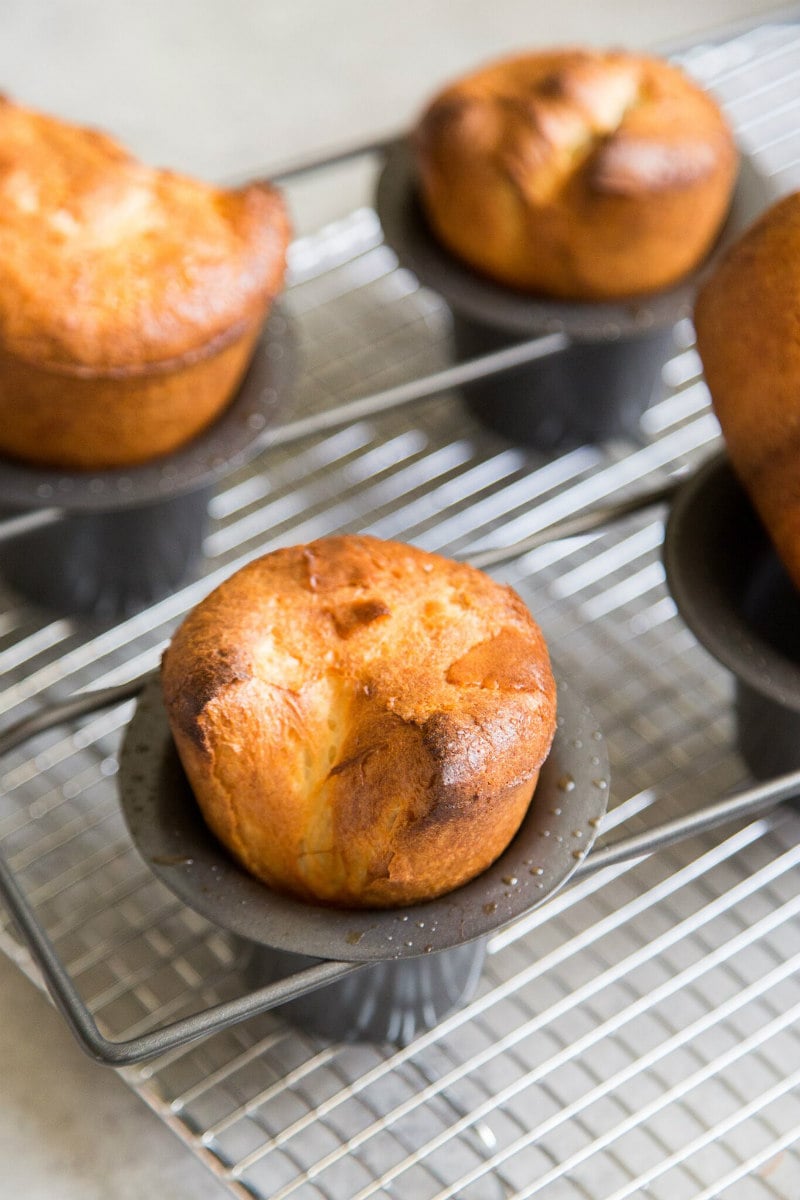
(226, 90)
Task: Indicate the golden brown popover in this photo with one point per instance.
(130, 298)
(581, 174)
(747, 319)
(362, 722)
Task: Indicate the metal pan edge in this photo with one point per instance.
(168, 830)
(712, 542)
(478, 297)
(239, 433)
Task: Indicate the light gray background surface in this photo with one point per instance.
(227, 89)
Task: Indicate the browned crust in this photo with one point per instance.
(187, 700)
(747, 319)
(113, 268)
(576, 173)
(347, 765)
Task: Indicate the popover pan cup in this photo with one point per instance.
(388, 1002)
(598, 386)
(110, 564)
(130, 537)
(424, 959)
(735, 596)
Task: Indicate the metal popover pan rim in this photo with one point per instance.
(240, 432)
(476, 296)
(168, 830)
(711, 505)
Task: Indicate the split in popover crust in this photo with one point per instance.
(362, 722)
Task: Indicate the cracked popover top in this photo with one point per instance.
(362, 722)
(583, 174)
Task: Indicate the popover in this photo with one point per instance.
(362, 723)
(130, 298)
(575, 173)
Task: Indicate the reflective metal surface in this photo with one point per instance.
(169, 832)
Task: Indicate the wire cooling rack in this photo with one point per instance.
(638, 1036)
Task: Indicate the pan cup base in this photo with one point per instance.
(587, 393)
(110, 564)
(390, 1001)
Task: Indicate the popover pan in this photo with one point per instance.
(121, 539)
(735, 596)
(601, 383)
(168, 829)
(426, 958)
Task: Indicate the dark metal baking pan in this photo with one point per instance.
(166, 826)
(596, 387)
(425, 959)
(737, 599)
